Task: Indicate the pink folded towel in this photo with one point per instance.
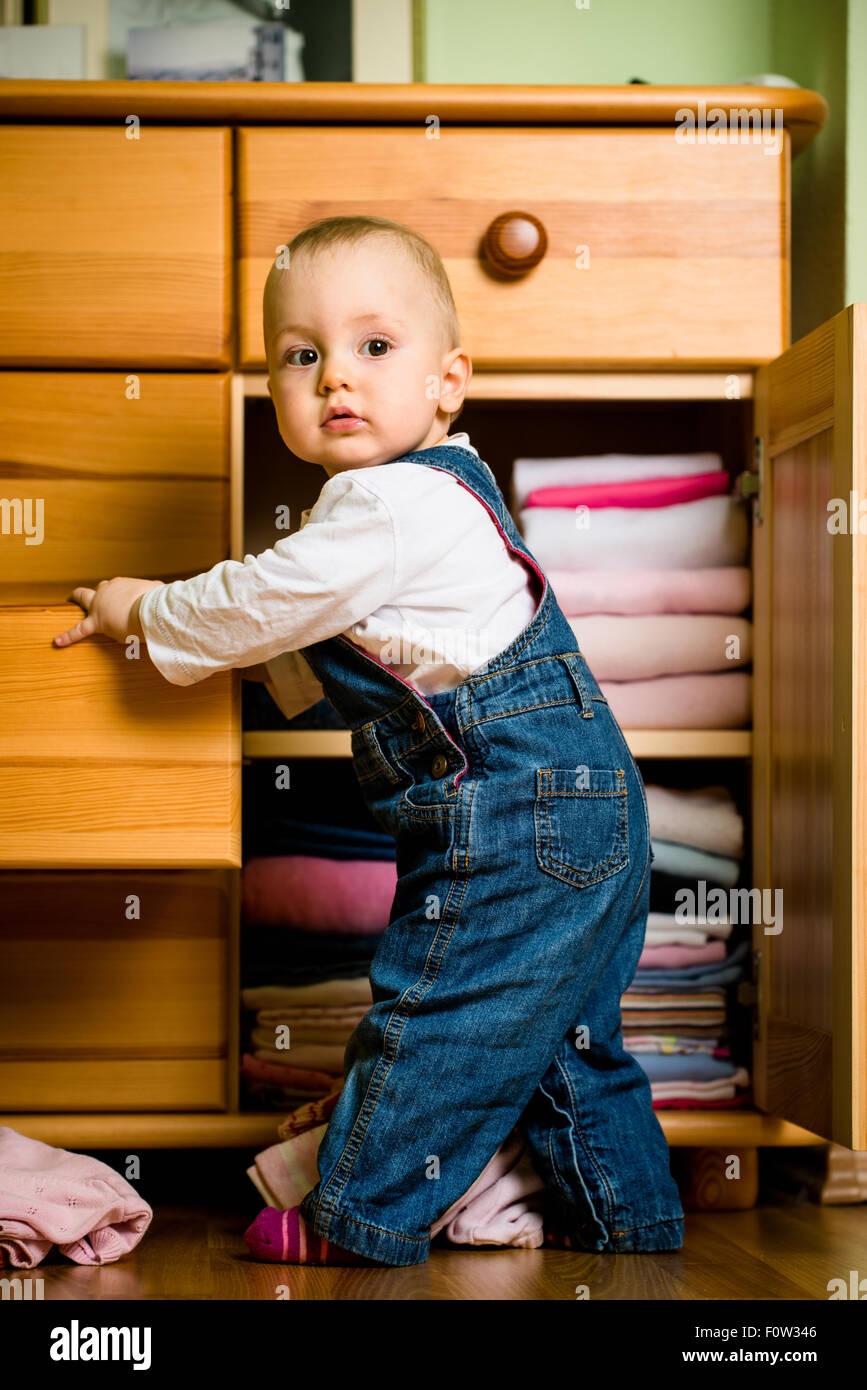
(671, 957)
(642, 492)
(720, 700)
(349, 896)
(617, 647)
(50, 1196)
(724, 589)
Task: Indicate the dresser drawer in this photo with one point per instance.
(114, 991)
(659, 253)
(103, 762)
(115, 251)
(101, 483)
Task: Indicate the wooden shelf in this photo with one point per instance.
(643, 743)
(682, 1128)
(580, 386)
(382, 103)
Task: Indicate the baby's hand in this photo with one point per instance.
(109, 610)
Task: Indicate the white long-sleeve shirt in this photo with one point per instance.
(401, 559)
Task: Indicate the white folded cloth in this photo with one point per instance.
(689, 535)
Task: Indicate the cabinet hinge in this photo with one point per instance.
(751, 483)
(749, 991)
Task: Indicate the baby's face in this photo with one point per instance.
(355, 327)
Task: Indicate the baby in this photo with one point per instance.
(481, 741)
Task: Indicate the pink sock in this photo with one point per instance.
(284, 1237)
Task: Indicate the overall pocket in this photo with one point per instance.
(580, 820)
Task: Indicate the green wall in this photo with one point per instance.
(810, 47)
(820, 44)
(856, 155)
(612, 41)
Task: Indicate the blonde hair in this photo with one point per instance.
(349, 231)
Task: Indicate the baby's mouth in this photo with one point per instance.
(343, 420)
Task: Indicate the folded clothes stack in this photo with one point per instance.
(674, 1012)
(318, 885)
(647, 558)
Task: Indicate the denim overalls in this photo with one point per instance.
(523, 876)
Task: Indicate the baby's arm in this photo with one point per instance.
(314, 584)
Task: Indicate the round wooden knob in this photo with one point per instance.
(515, 242)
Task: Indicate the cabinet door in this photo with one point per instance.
(115, 250)
(810, 719)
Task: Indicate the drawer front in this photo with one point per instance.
(106, 474)
(115, 991)
(659, 253)
(115, 251)
(103, 762)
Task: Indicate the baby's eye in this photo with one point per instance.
(292, 353)
(381, 342)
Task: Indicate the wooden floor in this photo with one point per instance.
(783, 1248)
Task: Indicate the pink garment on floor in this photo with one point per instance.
(630, 647)
(672, 957)
(719, 700)
(502, 1207)
(724, 589)
(349, 896)
(286, 1172)
(51, 1196)
(641, 492)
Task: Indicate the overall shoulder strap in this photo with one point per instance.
(468, 468)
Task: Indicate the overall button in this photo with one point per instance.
(418, 722)
(439, 765)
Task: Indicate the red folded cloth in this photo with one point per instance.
(642, 492)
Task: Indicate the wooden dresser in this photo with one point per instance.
(139, 221)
